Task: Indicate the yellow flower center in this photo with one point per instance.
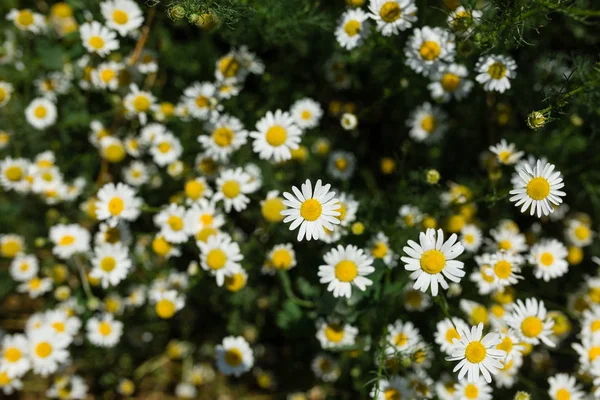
(450, 82)
(229, 66)
(282, 259)
(107, 75)
(452, 334)
(497, 310)
(59, 326)
(575, 255)
(233, 357)
(141, 103)
(114, 152)
(428, 123)
(43, 349)
(216, 259)
(334, 333)
(116, 206)
(311, 210)
(231, 189)
(582, 232)
(175, 222)
(563, 394)
(547, 259)
(201, 101)
(104, 328)
(341, 163)
(595, 327)
(346, 271)
(40, 112)
(66, 240)
(194, 189)
(276, 135)
(506, 345)
(96, 42)
(235, 282)
(379, 250)
(351, 28)
(502, 269)
(108, 264)
(165, 309)
(532, 327)
(306, 115)
(25, 18)
(469, 238)
(223, 136)
(3, 94)
(61, 10)
(161, 246)
(390, 11)
(35, 283)
(479, 314)
(14, 173)
(414, 298)
(593, 353)
(4, 379)
(538, 188)
(471, 391)
(24, 267)
(433, 261)
(475, 352)
(167, 108)
(504, 156)
(164, 147)
(429, 50)
(401, 339)
(505, 245)
(392, 394)
(205, 233)
(12, 354)
(120, 17)
(497, 70)
(271, 209)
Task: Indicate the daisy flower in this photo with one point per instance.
(306, 113)
(415, 300)
(471, 238)
(138, 102)
(163, 248)
(11, 245)
(111, 263)
(564, 386)
(272, 206)
(450, 82)
(62, 323)
(409, 215)
(379, 248)
(463, 21)
(6, 89)
(281, 257)
(237, 280)
(312, 211)
(530, 321)
(336, 335)
(393, 16)
(172, 222)
(46, 350)
(353, 28)
(136, 174)
(71, 387)
(433, 260)
(478, 390)
(588, 351)
(165, 149)
(14, 354)
(341, 164)
(234, 356)
(506, 153)
(112, 149)
(428, 48)
(348, 208)
(495, 72)
(69, 239)
(116, 203)
(444, 388)
(167, 303)
(106, 75)
(35, 287)
(590, 322)
(538, 189)
(325, 368)
(510, 344)
(505, 267)
(123, 16)
(476, 353)
(201, 100)
(98, 39)
(218, 255)
(477, 312)
(27, 20)
(446, 332)
(196, 190)
(104, 330)
(349, 121)
(396, 387)
(232, 187)
(41, 113)
(14, 173)
(578, 233)
(549, 258)
(402, 336)
(228, 135)
(24, 267)
(344, 268)
(508, 240)
(427, 123)
(484, 277)
(276, 136)
(204, 220)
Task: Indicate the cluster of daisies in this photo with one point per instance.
(92, 268)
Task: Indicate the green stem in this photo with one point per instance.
(287, 288)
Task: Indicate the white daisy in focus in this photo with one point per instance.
(344, 268)
(531, 322)
(505, 267)
(332, 335)
(564, 387)
(41, 113)
(495, 72)
(506, 153)
(352, 29)
(173, 222)
(427, 123)
(427, 49)
(227, 135)
(310, 210)
(111, 263)
(123, 16)
(432, 261)
(117, 203)
(104, 330)
(232, 187)
(450, 81)
(69, 239)
(234, 356)
(538, 189)
(276, 136)
(24, 267)
(47, 350)
(476, 353)
(393, 16)
(218, 255)
(98, 39)
(306, 113)
(138, 103)
(549, 257)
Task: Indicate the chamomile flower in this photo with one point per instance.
(446, 332)
(276, 136)
(117, 203)
(478, 390)
(6, 89)
(227, 134)
(69, 239)
(578, 233)
(402, 336)
(138, 103)
(68, 387)
(232, 187)
(463, 21)
(106, 75)
(428, 48)
(312, 211)
(415, 300)
(379, 247)
(432, 261)
(495, 72)
(427, 123)
(396, 387)
(564, 386)
(41, 113)
(14, 174)
(167, 303)
(510, 343)
(477, 313)
(353, 28)
(334, 335)
(484, 276)
(228, 88)
(24, 267)
(204, 220)
(507, 240)
(325, 368)
(47, 351)
(530, 321)
(9, 385)
(349, 121)
(588, 351)
(281, 257)
(348, 209)
(306, 113)
(471, 238)
(506, 267)
(237, 279)
(344, 268)
(341, 164)
(272, 206)
(218, 255)
(123, 16)
(590, 322)
(450, 81)
(393, 16)
(27, 20)
(506, 153)
(14, 355)
(549, 257)
(111, 263)
(136, 174)
(409, 215)
(63, 324)
(538, 189)
(104, 330)
(234, 356)
(201, 100)
(476, 353)
(172, 222)
(196, 190)
(98, 39)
